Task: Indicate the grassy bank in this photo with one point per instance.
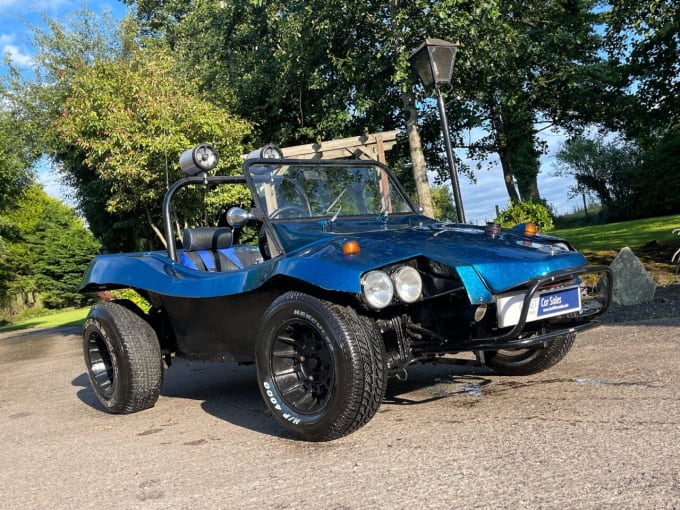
(70, 317)
(650, 239)
(614, 236)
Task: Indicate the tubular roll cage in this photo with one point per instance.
(202, 180)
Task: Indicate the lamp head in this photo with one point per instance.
(433, 60)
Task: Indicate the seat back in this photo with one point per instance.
(205, 247)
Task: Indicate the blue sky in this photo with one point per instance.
(17, 15)
(479, 200)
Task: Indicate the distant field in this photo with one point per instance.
(615, 236)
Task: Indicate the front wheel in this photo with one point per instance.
(123, 358)
(531, 360)
(320, 367)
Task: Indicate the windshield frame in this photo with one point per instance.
(329, 211)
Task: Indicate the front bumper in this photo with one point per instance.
(596, 298)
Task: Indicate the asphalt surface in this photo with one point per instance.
(599, 430)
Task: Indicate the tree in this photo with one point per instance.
(15, 165)
(644, 37)
(535, 68)
(629, 181)
(304, 71)
(442, 202)
(118, 115)
(132, 119)
(322, 69)
(604, 169)
(656, 186)
(16, 176)
(47, 254)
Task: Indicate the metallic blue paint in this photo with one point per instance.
(486, 265)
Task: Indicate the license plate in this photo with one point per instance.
(549, 303)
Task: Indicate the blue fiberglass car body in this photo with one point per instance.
(349, 283)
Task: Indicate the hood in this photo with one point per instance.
(501, 262)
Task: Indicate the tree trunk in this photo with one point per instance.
(156, 230)
(503, 154)
(523, 155)
(530, 192)
(416, 151)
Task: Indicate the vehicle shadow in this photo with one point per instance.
(229, 392)
(226, 391)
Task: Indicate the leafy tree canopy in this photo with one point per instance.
(325, 69)
(599, 167)
(47, 254)
(645, 38)
(15, 169)
(629, 181)
(118, 116)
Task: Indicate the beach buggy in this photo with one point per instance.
(345, 284)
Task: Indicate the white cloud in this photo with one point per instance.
(53, 183)
(16, 55)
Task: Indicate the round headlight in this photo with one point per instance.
(408, 284)
(377, 288)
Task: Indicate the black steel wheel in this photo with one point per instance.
(530, 360)
(320, 367)
(123, 358)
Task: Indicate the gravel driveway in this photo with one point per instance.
(599, 430)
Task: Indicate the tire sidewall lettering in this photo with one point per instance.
(322, 331)
(279, 406)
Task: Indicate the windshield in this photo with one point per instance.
(321, 190)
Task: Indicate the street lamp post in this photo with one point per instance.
(433, 61)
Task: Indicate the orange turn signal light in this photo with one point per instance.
(351, 247)
(530, 229)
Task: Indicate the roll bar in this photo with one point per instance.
(200, 180)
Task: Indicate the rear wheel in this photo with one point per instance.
(123, 358)
(531, 360)
(320, 367)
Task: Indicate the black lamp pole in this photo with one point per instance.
(433, 61)
(449, 155)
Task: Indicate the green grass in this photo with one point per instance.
(614, 236)
(69, 317)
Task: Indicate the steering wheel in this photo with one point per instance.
(298, 210)
(294, 187)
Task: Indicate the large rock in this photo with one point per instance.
(632, 283)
